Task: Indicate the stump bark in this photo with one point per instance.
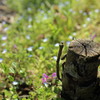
(79, 75)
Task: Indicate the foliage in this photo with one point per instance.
(29, 47)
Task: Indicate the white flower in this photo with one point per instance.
(3, 22)
(88, 19)
(30, 55)
(21, 17)
(70, 37)
(30, 48)
(97, 10)
(15, 83)
(1, 60)
(70, 10)
(46, 85)
(68, 43)
(41, 47)
(4, 38)
(45, 17)
(4, 51)
(55, 57)
(21, 71)
(28, 37)
(67, 2)
(45, 40)
(84, 25)
(74, 34)
(3, 44)
(41, 11)
(29, 19)
(29, 26)
(29, 9)
(57, 44)
(61, 5)
(5, 29)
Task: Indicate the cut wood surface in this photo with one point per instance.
(79, 78)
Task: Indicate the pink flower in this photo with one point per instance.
(47, 79)
(45, 76)
(94, 36)
(44, 80)
(54, 75)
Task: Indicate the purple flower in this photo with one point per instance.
(44, 80)
(94, 36)
(54, 75)
(45, 75)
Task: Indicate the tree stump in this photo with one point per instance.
(79, 76)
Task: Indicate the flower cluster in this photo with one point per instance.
(48, 79)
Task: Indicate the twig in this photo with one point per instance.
(58, 59)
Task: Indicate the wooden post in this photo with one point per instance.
(79, 76)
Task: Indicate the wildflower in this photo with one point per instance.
(70, 37)
(41, 48)
(61, 5)
(74, 34)
(88, 19)
(29, 19)
(44, 80)
(3, 44)
(94, 36)
(15, 83)
(84, 25)
(57, 44)
(21, 17)
(3, 22)
(47, 80)
(29, 26)
(97, 10)
(68, 43)
(55, 57)
(5, 29)
(1, 60)
(4, 38)
(45, 75)
(81, 11)
(30, 48)
(45, 40)
(30, 55)
(67, 2)
(70, 10)
(54, 75)
(4, 51)
(45, 17)
(41, 11)
(15, 46)
(28, 37)
(29, 9)
(46, 84)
